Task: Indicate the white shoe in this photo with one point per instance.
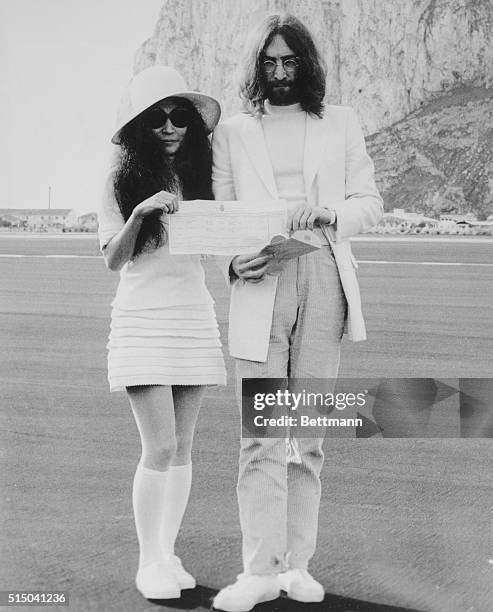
(184, 579)
(247, 592)
(299, 585)
(155, 581)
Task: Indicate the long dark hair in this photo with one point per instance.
(312, 73)
(143, 169)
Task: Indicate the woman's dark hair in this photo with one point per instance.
(312, 71)
(143, 169)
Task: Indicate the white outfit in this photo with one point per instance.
(291, 325)
(284, 130)
(337, 173)
(163, 325)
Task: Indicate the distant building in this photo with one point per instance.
(38, 219)
(399, 214)
(88, 222)
(467, 218)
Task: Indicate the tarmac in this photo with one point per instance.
(405, 524)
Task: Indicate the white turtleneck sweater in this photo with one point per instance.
(284, 132)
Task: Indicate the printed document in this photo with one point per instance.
(212, 227)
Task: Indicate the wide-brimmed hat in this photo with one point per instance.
(156, 83)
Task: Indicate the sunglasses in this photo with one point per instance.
(179, 117)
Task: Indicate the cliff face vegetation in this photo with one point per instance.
(439, 159)
(427, 62)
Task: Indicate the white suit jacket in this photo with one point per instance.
(338, 173)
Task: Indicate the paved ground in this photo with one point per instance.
(403, 522)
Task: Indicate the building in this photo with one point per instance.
(88, 222)
(467, 218)
(38, 219)
(399, 214)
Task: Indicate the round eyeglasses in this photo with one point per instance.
(156, 118)
(289, 64)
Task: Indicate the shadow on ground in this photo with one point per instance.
(201, 597)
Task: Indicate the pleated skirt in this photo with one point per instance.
(177, 345)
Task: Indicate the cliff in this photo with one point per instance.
(389, 59)
(439, 159)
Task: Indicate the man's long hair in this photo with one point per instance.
(143, 169)
(312, 72)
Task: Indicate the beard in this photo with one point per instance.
(282, 93)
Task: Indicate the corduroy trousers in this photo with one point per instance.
(279, 501)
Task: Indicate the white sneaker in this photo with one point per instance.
(184, 579)
(247, 592)
(155, 581)
(299, 585)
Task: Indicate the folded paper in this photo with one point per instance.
(284, 247)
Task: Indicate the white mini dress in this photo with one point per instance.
(163, 325)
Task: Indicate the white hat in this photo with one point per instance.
(154, 84)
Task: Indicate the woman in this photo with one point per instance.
(164, 343)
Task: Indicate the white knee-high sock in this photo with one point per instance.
(148, 499)
(176, 496)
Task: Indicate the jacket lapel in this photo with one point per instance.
(253, 139)
(317, 134)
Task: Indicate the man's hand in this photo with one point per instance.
(162, 201)
(250, 267)
(306, 217)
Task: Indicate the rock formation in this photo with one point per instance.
(439, 159)
(389, 59)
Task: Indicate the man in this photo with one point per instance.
(290, 146)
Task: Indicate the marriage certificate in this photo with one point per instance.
(225, 228)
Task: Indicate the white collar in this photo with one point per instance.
(270, 109)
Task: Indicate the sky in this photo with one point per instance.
(63, 65)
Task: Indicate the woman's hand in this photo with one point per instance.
(162, 201)
(120, 248)
(306, 217)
